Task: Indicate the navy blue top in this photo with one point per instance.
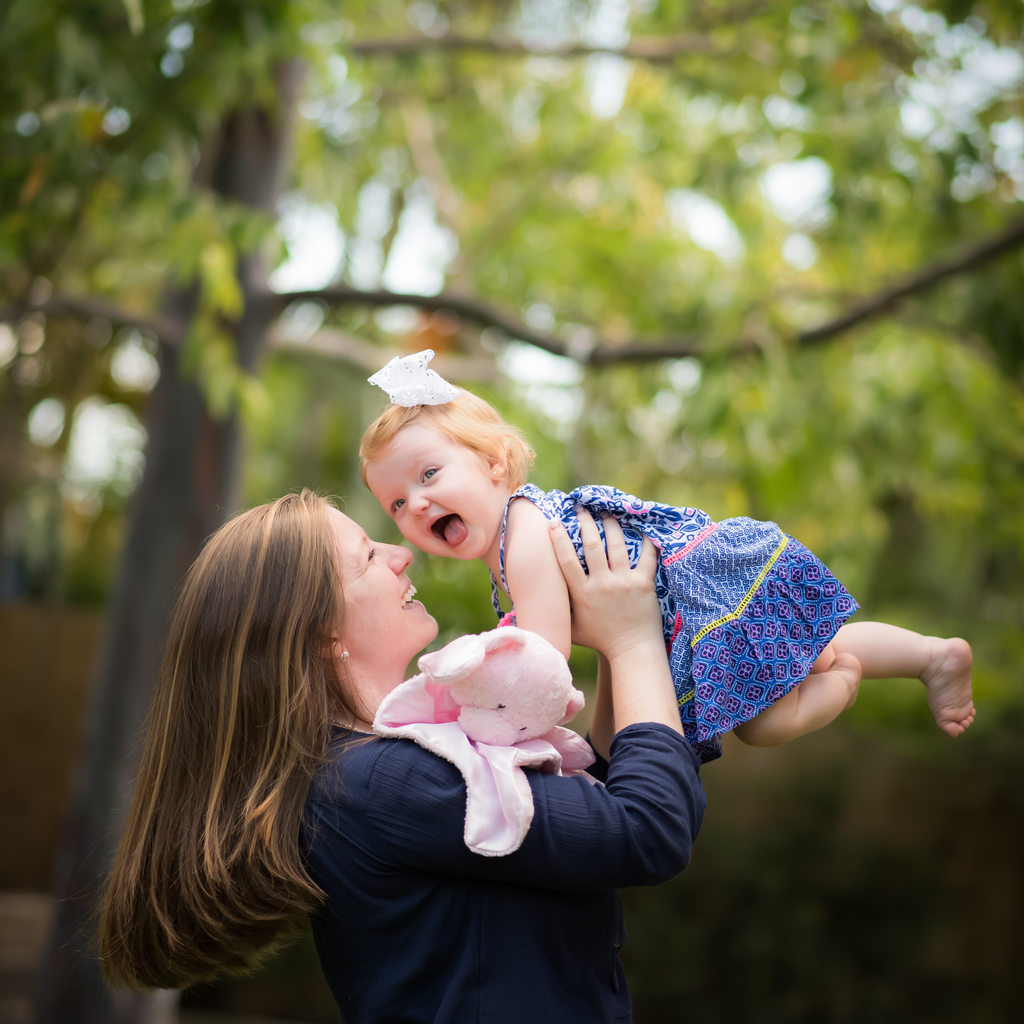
(417, 928)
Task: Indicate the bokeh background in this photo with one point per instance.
(761, 258)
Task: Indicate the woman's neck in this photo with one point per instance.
(369, 685)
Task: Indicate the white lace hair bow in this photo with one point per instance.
(409, 381)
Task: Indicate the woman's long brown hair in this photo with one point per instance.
(209, 873)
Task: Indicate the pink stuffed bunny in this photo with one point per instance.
(492, 704)
(510, 685)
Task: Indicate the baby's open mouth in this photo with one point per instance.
(450, 528)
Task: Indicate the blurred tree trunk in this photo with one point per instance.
(189, 483)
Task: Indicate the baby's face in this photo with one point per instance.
(446, 499)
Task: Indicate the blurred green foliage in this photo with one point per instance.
(781, 164)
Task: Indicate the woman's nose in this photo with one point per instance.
(399, 559)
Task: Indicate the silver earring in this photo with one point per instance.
(343, 656)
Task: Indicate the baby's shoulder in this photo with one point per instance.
(553, 504)
(527, 525)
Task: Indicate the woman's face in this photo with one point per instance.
(383, 628)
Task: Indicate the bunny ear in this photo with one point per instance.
(455, 659)
(409, 381)
(506, 637)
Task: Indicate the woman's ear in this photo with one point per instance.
(498, 469)
(337, 650)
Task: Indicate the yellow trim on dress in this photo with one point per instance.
(746, 600)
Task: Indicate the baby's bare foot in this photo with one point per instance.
(947, 681)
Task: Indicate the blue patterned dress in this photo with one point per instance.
(746, 608)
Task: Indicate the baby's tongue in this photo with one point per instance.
(454, 530)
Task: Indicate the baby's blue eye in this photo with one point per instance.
(427, 474)
(397, 504)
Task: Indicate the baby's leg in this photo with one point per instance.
(829, 688)
(943, 665)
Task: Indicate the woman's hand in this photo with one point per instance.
(614, 608)
(615, 611)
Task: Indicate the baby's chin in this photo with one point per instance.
(465, 551)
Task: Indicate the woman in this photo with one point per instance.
(263, 796)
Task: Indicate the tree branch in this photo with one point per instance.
(426, 157)
(916, 283)
(466, 307)
(589, 348)
(585, 346)
(654, 49)
(334, 345)
(85, 308)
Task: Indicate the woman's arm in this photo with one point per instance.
(602, 719)
(615, 611)
(408, 807)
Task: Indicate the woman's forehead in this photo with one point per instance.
(349, 536)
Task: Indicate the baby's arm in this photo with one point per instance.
(535, 582)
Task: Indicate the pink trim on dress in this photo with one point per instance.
(675, 632)
(706, 532)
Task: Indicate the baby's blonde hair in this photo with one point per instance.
(466, 419)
